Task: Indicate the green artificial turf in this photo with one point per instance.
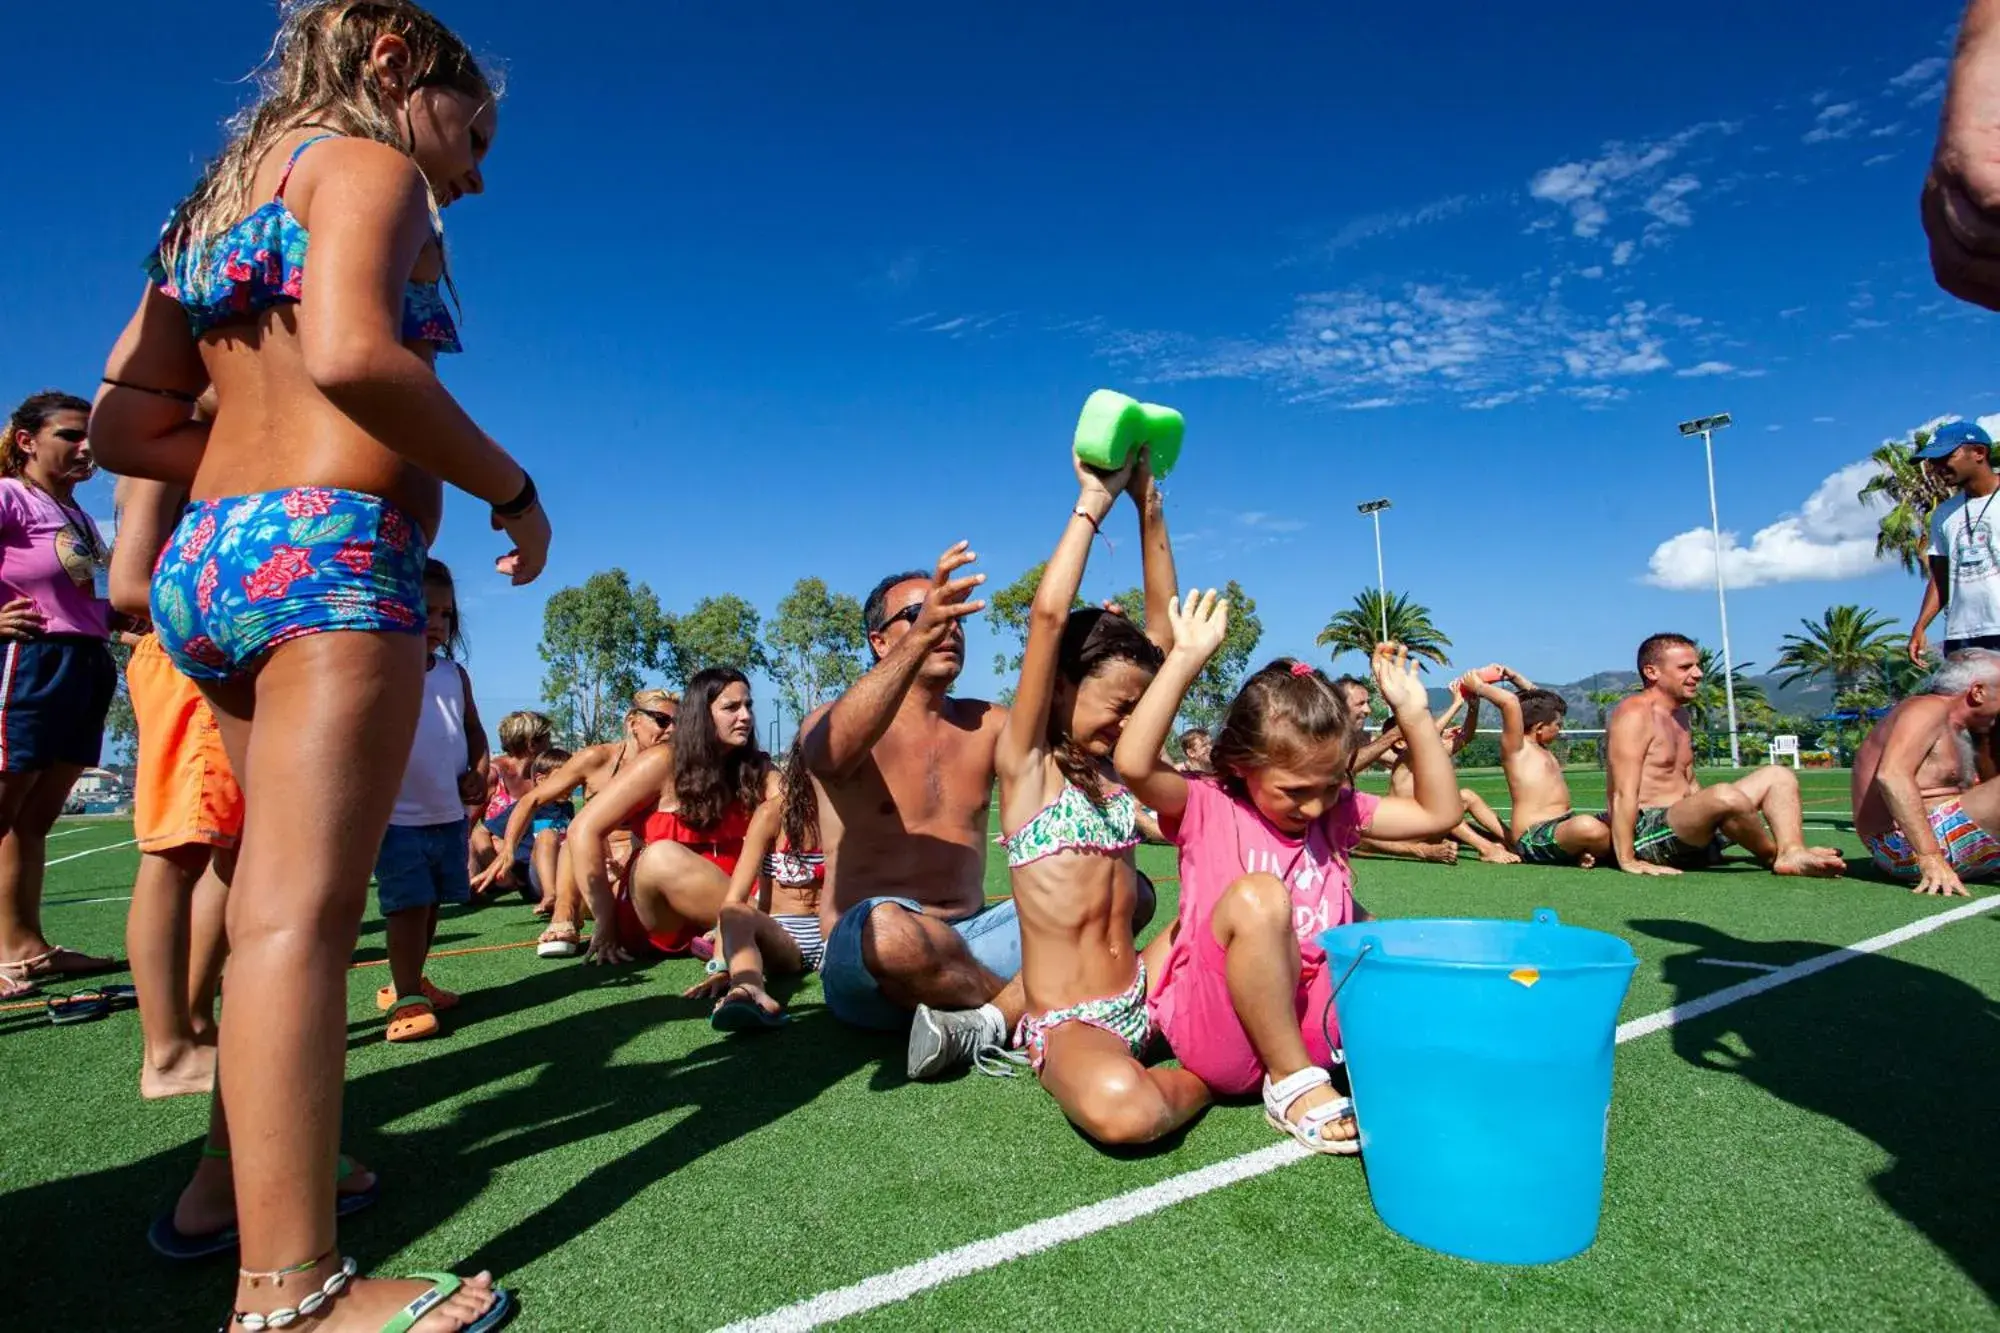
(1809, 1157)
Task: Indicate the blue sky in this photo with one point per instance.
(767, 291)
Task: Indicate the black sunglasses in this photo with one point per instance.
(664, 720)
(908, 615)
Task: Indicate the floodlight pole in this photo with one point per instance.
(1706, 427)
(1374, 510)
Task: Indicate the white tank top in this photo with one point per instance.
(429, 794)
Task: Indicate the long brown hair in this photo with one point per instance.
(1287, 709)
(708, 776)
(318, 73)
(800, 820)
(1092, 639)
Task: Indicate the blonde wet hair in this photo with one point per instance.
(318, 73)
(525, 734)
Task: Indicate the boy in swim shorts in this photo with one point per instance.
(1547, 830)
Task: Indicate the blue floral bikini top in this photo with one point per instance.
(261, 261)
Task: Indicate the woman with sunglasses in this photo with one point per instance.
(56, 673)
(650, 721)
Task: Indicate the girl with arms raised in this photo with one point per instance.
(303, 280)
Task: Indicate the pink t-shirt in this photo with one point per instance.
(45, 554)
(1222, 839)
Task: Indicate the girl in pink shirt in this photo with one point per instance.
(1243, 994)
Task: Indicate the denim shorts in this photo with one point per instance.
(422, 866)
(993, 936)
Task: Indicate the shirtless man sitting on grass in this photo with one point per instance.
(1918, 804)
(1662, 820)
(1547, 830)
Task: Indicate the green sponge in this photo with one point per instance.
(1114, 426)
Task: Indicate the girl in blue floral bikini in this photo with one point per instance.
(1069, 830)
(301, 281)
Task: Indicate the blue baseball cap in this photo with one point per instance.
(1952, 436)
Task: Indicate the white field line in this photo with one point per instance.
(108, 847)
(1737, 963)
(902, 1283)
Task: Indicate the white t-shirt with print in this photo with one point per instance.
(1962, 531)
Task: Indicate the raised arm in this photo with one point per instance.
(1512, 733)
(1434, 805)
(144, 423)
(1024, 737)
(1199, 626)
(1628, 737)
(1910, 739)
(1370, 754)
(838, 739)
(1157, 550)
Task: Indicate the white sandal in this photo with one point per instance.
(1310, 1128)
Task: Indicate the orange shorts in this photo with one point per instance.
(184, 792)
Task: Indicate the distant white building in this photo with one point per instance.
(97, 782)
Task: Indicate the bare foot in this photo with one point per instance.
(1499, 856)
(1444, 853)
(757, 995)
(1816, 862)
(181, 1073)
(1337, 1131)
(369, 1303)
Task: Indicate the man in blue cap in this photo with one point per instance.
(1964, 562)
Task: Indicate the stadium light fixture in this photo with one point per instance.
(1374, 508)
(1706, 428)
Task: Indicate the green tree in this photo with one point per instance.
(720, 632)
(1210, 695)
(121, 728)
(1846, 645)
(1606, 700)
(1912, 493)
(1007, 610)
(814, 645)
(1709, 712)
(1359, 628)
(598, 641)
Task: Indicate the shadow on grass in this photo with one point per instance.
(1903, 1055)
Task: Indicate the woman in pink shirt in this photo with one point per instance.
(1243, 995)
(56, 673)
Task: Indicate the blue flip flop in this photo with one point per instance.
(744, 1016)
(78, 1007)
(170, 1242)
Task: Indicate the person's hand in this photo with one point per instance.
(1097, 491)
(1396, 677)
(20, 620)
(1937, 878)
(1920, 648)
(472, 787)
(1646, 868)
(1961, 197)
(604, 947)
(500, 874)
(530, 535)
(946, 605)
(1142, 485)
(1115, 608)
(1200, 624)
(711, 987)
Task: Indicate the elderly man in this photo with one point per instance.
(1919, 806)
(1662, 820)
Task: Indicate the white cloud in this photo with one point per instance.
(1832, 536)
(1705, 369)
(1822, 421)
(1624, 345)
(1774, 428)
(1589, 190)
(1621, 253)
(1837, 121)
(1924, 81)
(1879, 159)
(1594, 271)
(1400, 220)
(1263, 522)
(1790, 311)
(1493, 400)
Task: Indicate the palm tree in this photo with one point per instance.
(1606, 700)
(1913, 493)
(1711, 697)
(1359, 628)
(1847, 644)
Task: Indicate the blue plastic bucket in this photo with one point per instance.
(1480, 1056)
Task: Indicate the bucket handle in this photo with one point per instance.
(1326, 1014)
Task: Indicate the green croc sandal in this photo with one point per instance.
(1114, 426)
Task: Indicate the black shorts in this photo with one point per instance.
(1990, 642)
(54, 694)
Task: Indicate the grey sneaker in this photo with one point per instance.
(944, 1041)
